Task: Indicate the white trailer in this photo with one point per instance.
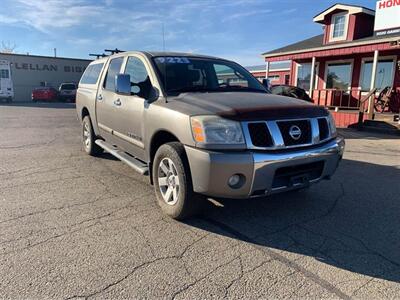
(6, 83)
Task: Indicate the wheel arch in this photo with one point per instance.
(159, 138)
(84, 112)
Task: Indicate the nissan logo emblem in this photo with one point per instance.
(295, 132)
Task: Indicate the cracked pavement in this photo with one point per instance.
(74, 226)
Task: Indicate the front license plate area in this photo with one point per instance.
(300, 180)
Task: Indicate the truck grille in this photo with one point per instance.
(259, 134)
(323, 129)
(287, 127)
(283, 134)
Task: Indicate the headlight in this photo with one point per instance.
(216, 130)
(332, 125)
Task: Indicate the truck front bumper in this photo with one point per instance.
(262, 173)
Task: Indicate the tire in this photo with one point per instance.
(183, 202)
(89, 138)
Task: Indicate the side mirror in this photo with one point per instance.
(123, 84)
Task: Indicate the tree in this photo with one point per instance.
(7, 47)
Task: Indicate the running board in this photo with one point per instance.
(134, 163)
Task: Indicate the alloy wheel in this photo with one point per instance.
(168, 181)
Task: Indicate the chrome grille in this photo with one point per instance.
(281, 134)
(260, 135)
(323, 129)
(302, 126)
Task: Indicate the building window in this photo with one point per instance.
(260, 78)
(287, 79)
(339, 27)
(384, 74)
(339, 76)
(4, 74)
(304, 76)
(274, 78)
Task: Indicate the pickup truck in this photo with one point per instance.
(201, 126)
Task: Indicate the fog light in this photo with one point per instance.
(236, 181)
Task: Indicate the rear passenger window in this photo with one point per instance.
(113, 69)
(91, 74)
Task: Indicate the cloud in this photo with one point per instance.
(245, 14)
(7, 19)
(92, 25)
(54, 14)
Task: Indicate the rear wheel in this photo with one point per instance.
(173, 183)
(88, 138)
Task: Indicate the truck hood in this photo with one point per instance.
(245, 106)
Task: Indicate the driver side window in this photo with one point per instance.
(138, 73)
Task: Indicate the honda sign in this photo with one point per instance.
(387, 18)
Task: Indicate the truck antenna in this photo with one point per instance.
(165, 65)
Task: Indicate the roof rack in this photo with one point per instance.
(114, 51)
(98, 55)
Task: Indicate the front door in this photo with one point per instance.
(107, 108)
(130, 118)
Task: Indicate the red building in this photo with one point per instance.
(358, 52)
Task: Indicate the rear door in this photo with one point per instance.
(107, 108)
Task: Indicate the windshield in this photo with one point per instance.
(68, 86)
(192, 74)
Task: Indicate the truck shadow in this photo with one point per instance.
(351, 222)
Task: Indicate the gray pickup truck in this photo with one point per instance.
(202, 126)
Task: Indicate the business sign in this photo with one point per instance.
(387, 17)
(48, 67)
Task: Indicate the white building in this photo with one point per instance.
(30, 71)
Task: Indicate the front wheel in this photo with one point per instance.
(173, 183)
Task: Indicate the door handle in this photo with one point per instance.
(99, 97)
(117, 102)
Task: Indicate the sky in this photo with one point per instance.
(236, 29)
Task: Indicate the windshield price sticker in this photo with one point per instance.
(173, 60)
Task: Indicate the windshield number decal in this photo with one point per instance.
(173, 60)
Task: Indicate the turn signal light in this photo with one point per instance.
(198, 133)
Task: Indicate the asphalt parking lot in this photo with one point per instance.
(77, 226)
